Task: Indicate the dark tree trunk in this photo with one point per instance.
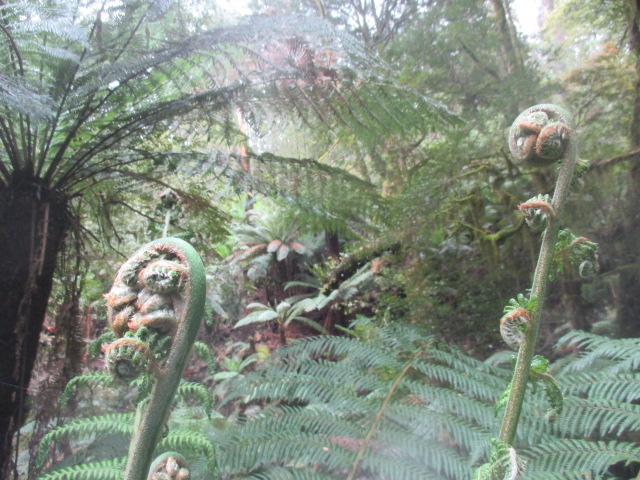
(33, 222)
(628, 302)
(332, 243)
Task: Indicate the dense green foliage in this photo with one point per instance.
(395, 403)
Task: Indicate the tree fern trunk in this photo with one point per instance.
(628, 302)
(33, 222)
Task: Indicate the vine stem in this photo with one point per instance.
(152, 414)
(539, 286)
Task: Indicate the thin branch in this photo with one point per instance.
(602, 164)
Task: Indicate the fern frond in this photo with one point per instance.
(89, 380)
(467, 364)
(572, 455)
(363, 354)
(401, 469)
(188, 442)
(95, 347)
(622, 387)
(198, 391)
(120, 423)
(585, 418)
(624, 352)
(204, 352)
(577, 474)
(446, 400)
(426, 423)
(104, 470)
(300, 449)
(471, 381)
(276, 472)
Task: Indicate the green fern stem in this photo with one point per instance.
(528, 127)
(378, 417)
(152, 413)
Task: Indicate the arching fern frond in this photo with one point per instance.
(624, 387)
(104, 470)
(582, 418)
(190, 442)
(120, 423)
(88, 380)
(625, 352)
(199, 392)
(573, 455)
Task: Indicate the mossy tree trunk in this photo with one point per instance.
(33, 222)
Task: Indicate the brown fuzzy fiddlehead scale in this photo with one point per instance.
(147, 293)
(540, 135)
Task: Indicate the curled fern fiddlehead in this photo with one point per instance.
(128, 357)
(513, 325)
(516, 320)
(540, 135)
(536, 211)
(169, 466)
(155, 307)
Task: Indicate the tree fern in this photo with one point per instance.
(89, 92)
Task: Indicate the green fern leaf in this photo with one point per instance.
(90, 380)
(120, 423)
(105, 470)
(199, 391)
(188, 442)
(578, 455)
